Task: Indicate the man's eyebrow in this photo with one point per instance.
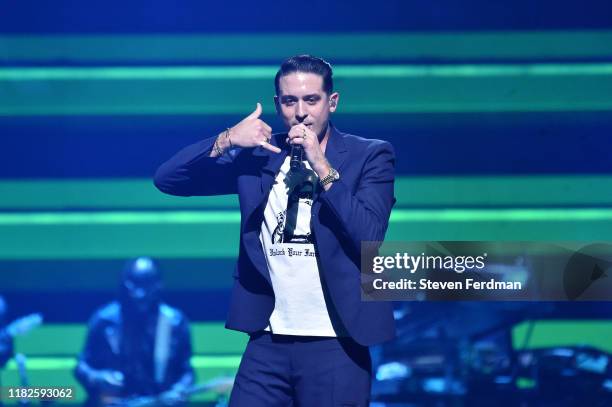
(293, 97)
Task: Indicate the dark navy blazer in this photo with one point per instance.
(356, 208)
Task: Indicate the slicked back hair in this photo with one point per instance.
(308, 64)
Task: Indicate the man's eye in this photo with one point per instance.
(289, 102)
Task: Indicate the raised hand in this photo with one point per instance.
(252, 132)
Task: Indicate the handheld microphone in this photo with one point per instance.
(297, 154)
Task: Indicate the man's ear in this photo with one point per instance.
(333, 101)
(277, 104)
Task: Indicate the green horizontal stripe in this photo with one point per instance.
(119, 218)
(511, 215)
(474, 70)
(118, 240)
(258, 72)
(369, 89)
(200, 362)
(233, 217)
(49, 363)
(219, 240)
(102, 276)
(57, 363)
(274, 47)
(568, 190)
(548, 334)
(208, 338)
(98, 193)
(130, 73)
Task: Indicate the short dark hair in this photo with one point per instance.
(309, 64)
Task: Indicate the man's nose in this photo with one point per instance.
(300, 112)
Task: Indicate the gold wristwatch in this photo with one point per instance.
(331, 177)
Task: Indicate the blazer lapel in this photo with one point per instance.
(335, 152)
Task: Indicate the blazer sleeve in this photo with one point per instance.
(192, 172)
(364, 216)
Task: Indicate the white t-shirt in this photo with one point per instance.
(300, 307)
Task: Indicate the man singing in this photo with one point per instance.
(308, 198)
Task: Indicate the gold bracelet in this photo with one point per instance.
(227, 136)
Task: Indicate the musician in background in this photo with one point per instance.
(137, 346)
